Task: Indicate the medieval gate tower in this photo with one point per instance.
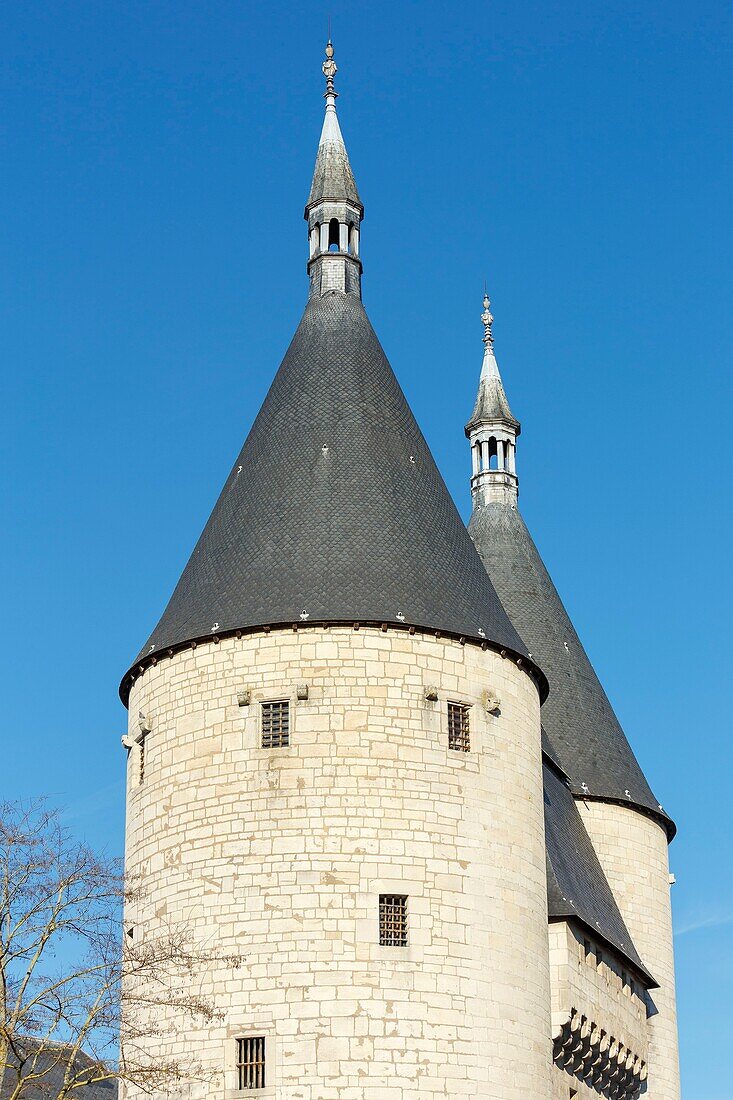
(368, 753)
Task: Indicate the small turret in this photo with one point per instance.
(492, 430)
(334, 211)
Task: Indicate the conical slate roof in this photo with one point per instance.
(332, 175)
(576, 884)
(334, 509)
(491, 400)
(585, 736)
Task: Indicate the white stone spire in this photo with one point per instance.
(492, 430)
(334, 210)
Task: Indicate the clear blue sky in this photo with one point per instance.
(156, 158)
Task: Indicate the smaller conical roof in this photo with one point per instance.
(333, 179)
(491, 401)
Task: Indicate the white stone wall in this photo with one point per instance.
(633, 852)
(280, 855)
(581, 985)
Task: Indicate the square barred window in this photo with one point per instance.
(251, 1062)
(276, 724)
(393, 920)
(459, 732)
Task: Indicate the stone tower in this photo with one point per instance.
(342, 775)
(337, 769)
(624, 828)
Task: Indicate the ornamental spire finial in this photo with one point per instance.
(329, 69)
(487, 319)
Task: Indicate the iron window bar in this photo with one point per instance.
(459, 729)
(251, 1062)
(276, 724)
(393, 920)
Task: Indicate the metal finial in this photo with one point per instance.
(329, 69)
(487, 319)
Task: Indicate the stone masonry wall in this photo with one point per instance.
(602, 992)
(633, 853)
(280, 856)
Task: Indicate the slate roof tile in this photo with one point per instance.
(583, 732)
(334, 507)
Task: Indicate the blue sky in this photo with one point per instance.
(156, 159)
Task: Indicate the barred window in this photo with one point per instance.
(251, 1062)
(393, 920)
(141, 760)
(276, 724)
(459, 732)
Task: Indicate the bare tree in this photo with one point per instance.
(65, 961)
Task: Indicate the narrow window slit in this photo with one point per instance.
(141, 760)
(333, 235)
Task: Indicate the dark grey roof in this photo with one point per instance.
(332, 176)
(549, 753)
(334, 508)
(576, 885)
(583, 731)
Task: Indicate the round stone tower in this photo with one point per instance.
(335, 762)
(627, 827)
(283, 854)
(633, 850)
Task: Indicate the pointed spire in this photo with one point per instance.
(492, 429)
(333, 179)
(491, 400)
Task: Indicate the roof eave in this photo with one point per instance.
(150, 660)
(355, 204)
(492, 421)
(659, 816)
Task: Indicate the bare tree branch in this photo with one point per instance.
(64, 963)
